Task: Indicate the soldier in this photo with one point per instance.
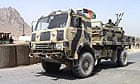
(11, 39)
(137, 45)
(110, 22)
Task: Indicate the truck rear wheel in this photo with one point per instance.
(50, 67)
(122, 57)
(85, 65)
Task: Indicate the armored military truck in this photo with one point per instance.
(74, 39)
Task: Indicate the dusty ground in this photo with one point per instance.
(106, 73)
(133, 50)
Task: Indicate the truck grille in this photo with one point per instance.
(45, 46)
(45, 36)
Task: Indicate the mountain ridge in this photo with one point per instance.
(11, 21)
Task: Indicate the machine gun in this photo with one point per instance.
(119, 18)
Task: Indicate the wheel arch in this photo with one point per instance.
(85, 47)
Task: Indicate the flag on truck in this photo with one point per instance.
(90, 13)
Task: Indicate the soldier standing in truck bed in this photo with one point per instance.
(110, 23)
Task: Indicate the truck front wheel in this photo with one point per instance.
(85, 65)
(50, 67)
(122, 57)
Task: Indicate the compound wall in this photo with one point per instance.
(14, 55)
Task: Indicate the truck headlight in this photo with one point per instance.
(66, 44)
(59, 46)
(33, 46)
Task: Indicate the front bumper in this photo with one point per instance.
(51, 51)
(52, 55)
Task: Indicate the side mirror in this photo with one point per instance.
(33, 24)
(32, 28)
(77, 22)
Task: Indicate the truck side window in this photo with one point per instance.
(87, 24)
(76, 22)
(72, 21)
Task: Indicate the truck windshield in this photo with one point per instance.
(50, 22)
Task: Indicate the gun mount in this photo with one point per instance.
(119, 18)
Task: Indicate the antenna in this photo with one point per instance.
(119, 18)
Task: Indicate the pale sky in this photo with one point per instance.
(31, 10)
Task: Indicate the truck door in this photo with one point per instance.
(86, 32)
(76, 22)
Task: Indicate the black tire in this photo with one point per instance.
(85, 65)
(50, 67)
(122, 58)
